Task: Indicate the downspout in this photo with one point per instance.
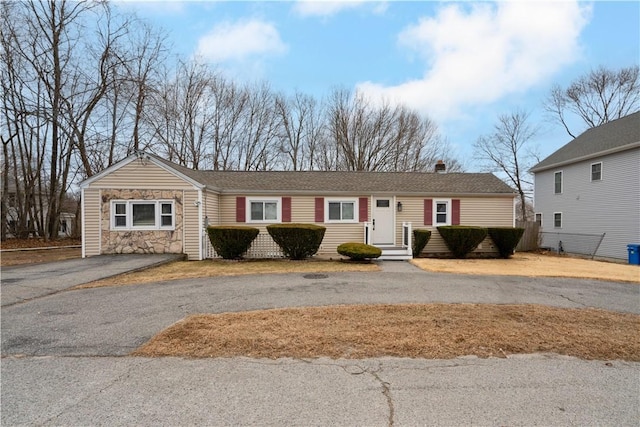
(84, 234)
(201, 225)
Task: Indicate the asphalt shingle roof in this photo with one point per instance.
(609, 136)
(347, 182)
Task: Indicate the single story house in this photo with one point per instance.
(146, 204)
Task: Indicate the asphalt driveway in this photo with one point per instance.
(62, 358)
(25, 282)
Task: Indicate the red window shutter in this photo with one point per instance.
(286, 209)
(319, 209)
(455, 212)
(241, 211)
(363, 203)
(428, 211)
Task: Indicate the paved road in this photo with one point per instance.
(530, 390)
(61, 366)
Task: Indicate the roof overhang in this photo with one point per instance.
(631, 146)
(320, 192)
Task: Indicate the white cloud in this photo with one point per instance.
(475, 55)
(328, 8)
(241, 41)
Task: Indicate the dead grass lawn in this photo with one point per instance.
(208, 268)
(535, 265)
(38, 256)
(431, 331)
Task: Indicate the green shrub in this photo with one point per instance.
(359, 251)
(297, 241)
(421, 237)
(230, 242)
(506, 239)
(462, 239)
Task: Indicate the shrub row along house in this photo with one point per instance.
(145, 204)
(590, 188)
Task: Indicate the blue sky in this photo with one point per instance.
(460, 63)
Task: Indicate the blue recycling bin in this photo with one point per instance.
(634, 254)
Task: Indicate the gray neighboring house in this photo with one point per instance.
(592, 186)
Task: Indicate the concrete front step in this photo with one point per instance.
(398, 254)
(395, 257)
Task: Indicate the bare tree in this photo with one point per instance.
(596, 98)
(36, 46)
(147, 50)
(300, 129)
(379, 136)
(230, 102)
(182, 113)
(256, 143)
(69, 68)
(506, 151)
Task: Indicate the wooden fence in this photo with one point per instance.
(531, 237)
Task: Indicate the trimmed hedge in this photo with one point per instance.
(506, 239)
(359, 251)
(297, 241)
(230, 242)
(462, 239)
(421, 237)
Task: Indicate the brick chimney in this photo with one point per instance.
(440, 167)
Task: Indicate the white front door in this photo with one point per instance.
(383, 226)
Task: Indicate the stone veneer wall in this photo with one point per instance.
(143, 241)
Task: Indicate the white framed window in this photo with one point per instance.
(596, 171)
(539, 219)
(557, 182)
(557, 220)
(341, 210)
(142, 215)
(264, 209)
(442, 212)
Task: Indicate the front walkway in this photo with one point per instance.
(398, 267)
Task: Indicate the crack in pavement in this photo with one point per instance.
(570, 300)
(386, 391)
(24, 300)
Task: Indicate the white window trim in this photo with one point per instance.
(278, 202)
(541, 218)
(591, 172)
(561, 182)
(129, 215)
(554, 219)
(434, 211)
(356, 210)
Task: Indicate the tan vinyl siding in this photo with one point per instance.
(191, 225)
(91, 226)
(487, 212)
(227, 209)
(137, 175)
(211, 207)
(337, 234)
(302, 211)
(480, 211)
